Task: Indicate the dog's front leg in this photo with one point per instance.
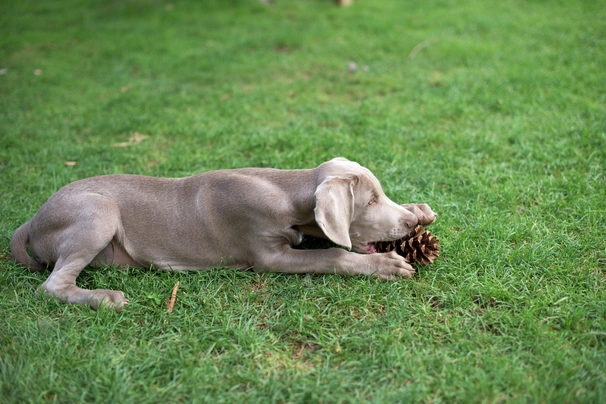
(423, 212)
(333, 261)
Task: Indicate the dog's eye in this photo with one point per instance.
(372, 202)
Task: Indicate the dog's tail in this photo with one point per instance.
(19, 249)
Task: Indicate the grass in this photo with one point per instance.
(498, 121)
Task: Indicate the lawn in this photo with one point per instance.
(493, 112)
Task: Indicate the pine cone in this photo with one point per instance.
(418, 246)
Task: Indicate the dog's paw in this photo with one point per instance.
(390, 266)
(423, 212)
(113, 299)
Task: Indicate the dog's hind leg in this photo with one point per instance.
(62, 285)
(88, 232)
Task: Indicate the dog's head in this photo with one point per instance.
(352, 209)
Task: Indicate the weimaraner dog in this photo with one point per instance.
(242, 218)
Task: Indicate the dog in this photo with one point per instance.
(243, 218)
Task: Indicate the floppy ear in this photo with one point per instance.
(335, 208)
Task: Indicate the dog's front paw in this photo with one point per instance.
(390, 266)
(113, 299)
(423, 212)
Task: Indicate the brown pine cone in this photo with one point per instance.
(418, 246)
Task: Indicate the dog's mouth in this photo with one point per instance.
(366, 248)
(371, 247)
(376, 246)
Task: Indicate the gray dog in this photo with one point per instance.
(244, 218)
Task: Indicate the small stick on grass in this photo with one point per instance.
(421, 46)
(173, 297)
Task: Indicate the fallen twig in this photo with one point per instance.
(135, 139)
(173, 297)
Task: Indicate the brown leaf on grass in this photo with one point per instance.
(125, 88)
(135, 139)
(70, 163)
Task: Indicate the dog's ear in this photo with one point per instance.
(335, 208)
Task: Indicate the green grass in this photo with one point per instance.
(498, 122)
